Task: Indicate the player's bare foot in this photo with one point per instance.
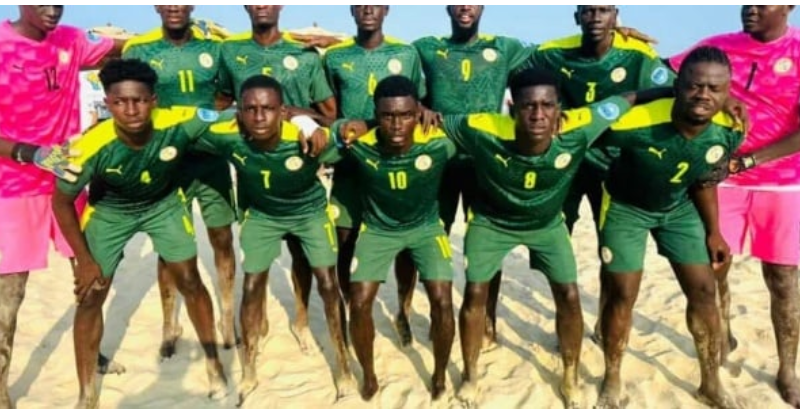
(106, 366)
(790, 391)
(468, 394)
(438, 387)
(304, 339)
(370, 388)
(716, 398)
(88, 401)
(5, 401)
(489, 336)
(609, 395)
(403, 328)
(169, 344)
(217, 383)
(245, 389)
(345, 385)
(570, 394)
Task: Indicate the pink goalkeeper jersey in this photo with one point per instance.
(766, 78)
(39, 97)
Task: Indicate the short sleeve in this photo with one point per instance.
(225, 81)
(595, 119)
(655, 74)
(320, 89)
(91, 48)
(457, 129)
(88, 168)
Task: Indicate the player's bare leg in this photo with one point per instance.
(347, 248)
(406, 282)
(171, 329)
(471, 324)
(201, 313)
(729, 342)
(221, 239)
(87, 332)
(440, 295)
(252, 314)
(301, 279)
(569, 326)
(782, 284)
(490, 330)
(362, 333)
(328, 288)
(597, 335)
(12, 292)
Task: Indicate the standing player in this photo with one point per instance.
(762, 201)
(467, 73)
(40, 108)
(284, 196)
(354, 68)
(267, 51)
(187, 63)
(400, 169)
(132, 164)
(592, 66)
(656, 186)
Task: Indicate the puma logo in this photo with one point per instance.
(657, 153)
(157, 64)
(239, 158)
(443, 53)
(503, 161)
(373, 163)
(350, 66)
(567, 72)
(241, 59)
(117, 171)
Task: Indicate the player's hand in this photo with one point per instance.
(741, 163)
(351, 131)
(429, 119)
(314, 145)
(738, 111)
(56, 160)
(88, 278)
(316, 41)
(629, 32)
(718, 251)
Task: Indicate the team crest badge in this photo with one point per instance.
(207, 115)
(783, 66)
(714, 154)
(619, 74)
(168, 153)
(610, 111)
(290, 63)
(660, 76)
(490, 55)
(294, 163)
(206, 60)
(63, 57)
(606, 255)
(563, 160)
(423, 162)
(395, 66)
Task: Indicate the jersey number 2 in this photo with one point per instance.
(683, 167)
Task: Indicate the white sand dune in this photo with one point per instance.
(659, 370)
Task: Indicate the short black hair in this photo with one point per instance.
(704, 54)
(530, 78)
(395, 86)
(580, 8)
(120, 70)
(261, 81)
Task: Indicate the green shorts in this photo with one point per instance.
(346, 204)
(486, 245)
(376, 250)
(679, 234)
(167, 222)
(210, 183)
(261, 238)
(459, 182)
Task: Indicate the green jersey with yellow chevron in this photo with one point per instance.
(527, 192)
(657, 165)
(131, 179)
(280, 183)
(630, 65)
(468, 78)
(299, 70)
(401, 192)
(354, 72)
(187, 74)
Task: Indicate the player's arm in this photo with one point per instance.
(784, 147)
(705, 200)
(324, 102)
(603, 114)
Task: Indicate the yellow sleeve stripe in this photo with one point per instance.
(500, 126)
(289, 131)
(434, 134)
(370, 138)
(576, 118)
(225, 127)
(571, 42)
(166, 118)
(150, 37)
(344, 44)
(574, 42)
(648, 115)
(391, 40)
(240, 36)
(93, 141)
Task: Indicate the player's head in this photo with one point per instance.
(597, 22)
(397, 111)
(703, 85)
(369, 18)
(44, 18)
(759, 21)
(129, 85)
(175, 17)
(465, 17)
(264, 16)
(260, 108)
(536, 107)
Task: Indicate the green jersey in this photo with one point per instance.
(129, 179)
(657, 165)
(468, 78)
(299, 70)
(630, 65)
(401, 192)
(280, 183)
(527, 192)
(354, 73)
(187, 74)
